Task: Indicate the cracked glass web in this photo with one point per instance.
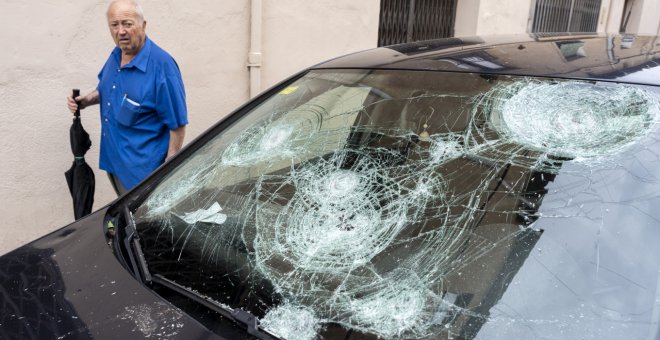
(379, 202)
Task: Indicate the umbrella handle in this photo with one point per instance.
(76, 93)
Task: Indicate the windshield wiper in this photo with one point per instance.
(132, 243)
(237, 315)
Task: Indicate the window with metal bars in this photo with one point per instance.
(414, 20)
(576, 16)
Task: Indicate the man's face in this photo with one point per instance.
(126, 29)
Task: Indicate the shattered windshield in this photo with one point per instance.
(364, 204)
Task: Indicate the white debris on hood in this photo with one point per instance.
(157, 320)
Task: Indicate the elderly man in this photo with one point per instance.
(143, 102)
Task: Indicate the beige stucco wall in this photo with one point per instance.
(301, 33)
(486, 17)
(645, 17)
(51, 47)
(467, 18)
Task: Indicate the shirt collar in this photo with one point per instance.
(141, 59)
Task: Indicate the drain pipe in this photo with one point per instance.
(254, 56)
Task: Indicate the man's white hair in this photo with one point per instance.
(138, 9)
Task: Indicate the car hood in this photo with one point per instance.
(69, 285)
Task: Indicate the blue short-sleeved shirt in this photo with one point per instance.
(140, 103)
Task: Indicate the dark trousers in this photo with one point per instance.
(116, 184)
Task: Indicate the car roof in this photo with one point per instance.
(625, 58)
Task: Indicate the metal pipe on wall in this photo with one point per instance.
(254, 55)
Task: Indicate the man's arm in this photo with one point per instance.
(89, 99)
(176, 141)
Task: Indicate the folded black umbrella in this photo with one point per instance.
(80, 177)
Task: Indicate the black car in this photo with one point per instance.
(447, 189)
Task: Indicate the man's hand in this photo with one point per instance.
(82, 102)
